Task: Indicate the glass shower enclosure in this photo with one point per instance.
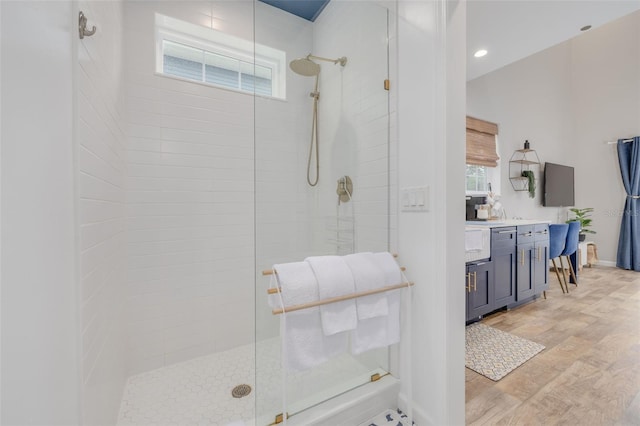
(219, 158)
(330, 122)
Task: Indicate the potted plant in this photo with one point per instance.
(583, 216)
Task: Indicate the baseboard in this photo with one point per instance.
(607, 263)
(420, 417)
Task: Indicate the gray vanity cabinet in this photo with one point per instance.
(517, 270)
(541, 264)
(503, 256)
(532, 270)
(479, 289)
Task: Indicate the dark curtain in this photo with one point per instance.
(629, 243)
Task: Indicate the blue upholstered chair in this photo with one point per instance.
(570, 247)
(557, 241)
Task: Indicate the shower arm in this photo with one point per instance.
(342, 61)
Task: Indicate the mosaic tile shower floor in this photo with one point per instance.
(198, 391)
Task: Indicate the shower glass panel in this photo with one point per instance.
(295, 220)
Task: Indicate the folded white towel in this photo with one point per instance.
(367, 276)
(371, 334)
(304, 344)
(334, 279)
(393, 276)
(298, 285)
(473, 240)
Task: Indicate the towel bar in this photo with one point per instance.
(340, 298)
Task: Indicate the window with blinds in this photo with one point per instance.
(218, 70)
(211, 57)
(481, 143)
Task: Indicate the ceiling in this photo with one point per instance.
(307, 9)
(511, 30)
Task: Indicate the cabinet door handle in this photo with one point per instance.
(468, 286)
(475, 281)
(506, 232)
(522, 257)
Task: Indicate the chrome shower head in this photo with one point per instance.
(305, 67)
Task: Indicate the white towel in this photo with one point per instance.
(298, 285)
(334, 279)
(367, 276)
(304, 344)
(473, 240)
(393, 276)
(370, 334)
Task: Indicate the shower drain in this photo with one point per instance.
(240, 391)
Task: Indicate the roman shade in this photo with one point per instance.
(481, 143)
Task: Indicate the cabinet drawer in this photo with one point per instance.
(541, 232)
(525, 234)
(503, 238)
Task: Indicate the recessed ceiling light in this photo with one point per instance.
(480, 53)
(585, 28)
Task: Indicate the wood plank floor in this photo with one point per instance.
(589, 373)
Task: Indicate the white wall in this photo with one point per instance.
(431, 152)
(567, 101)
(189, 200)
(101, 180)
(606, 107)
(40, 346)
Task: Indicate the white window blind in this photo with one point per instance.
(200, 65)
(212, 57)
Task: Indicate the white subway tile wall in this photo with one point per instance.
(189, 208)
(355, 118)
(101, 180)
(190, 190)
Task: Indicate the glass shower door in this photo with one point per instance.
(348, 210)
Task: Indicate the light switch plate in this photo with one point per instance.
(414, 199)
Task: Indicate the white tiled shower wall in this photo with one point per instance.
(354, 123)
(190, 188)
(101, 181)
(190, 173)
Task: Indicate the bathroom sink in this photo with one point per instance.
(477, 243)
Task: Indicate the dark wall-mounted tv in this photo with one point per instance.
(559, 189)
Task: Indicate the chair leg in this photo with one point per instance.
(544, 293)
(555, 268)
(563, 274)
(572, 272)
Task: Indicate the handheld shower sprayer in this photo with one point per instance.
(308, 68)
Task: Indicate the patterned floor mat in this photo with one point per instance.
(495, 353)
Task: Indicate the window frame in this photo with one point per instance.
(494, 176)
(220, 43)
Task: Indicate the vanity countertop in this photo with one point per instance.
(501, 223)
